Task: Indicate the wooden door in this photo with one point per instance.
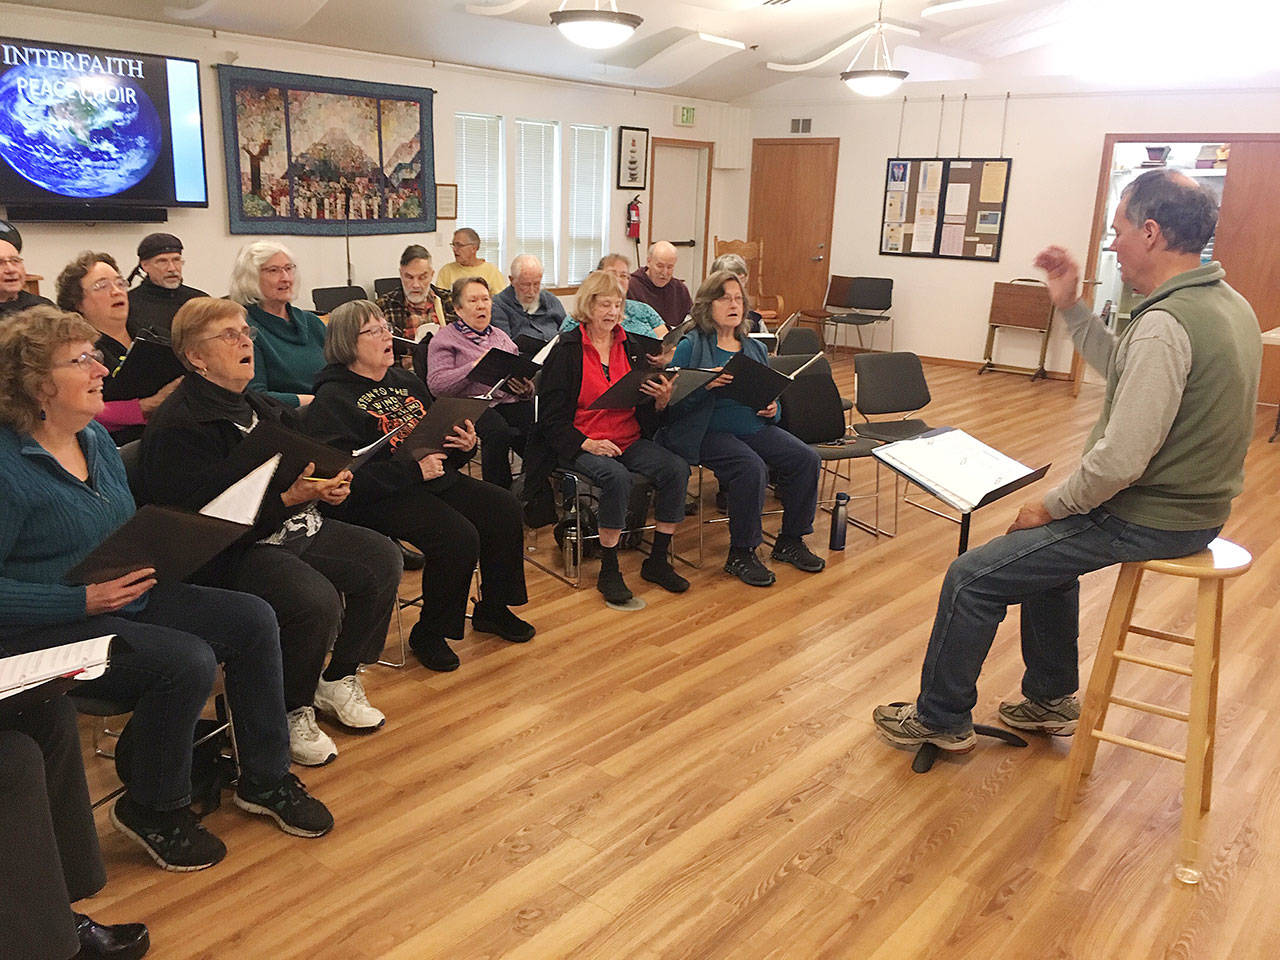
(680, 203)
(1248, 244)
(793, 193)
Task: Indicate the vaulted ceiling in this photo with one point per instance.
(794, 46)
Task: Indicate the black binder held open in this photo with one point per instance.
(268, 438)
(438, 424)
(755, 385)
(498, 365)
(149, 366)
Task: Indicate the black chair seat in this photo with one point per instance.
(889, 431)
(846, 404)
(849, 449)
(857, 319)
(95, 707)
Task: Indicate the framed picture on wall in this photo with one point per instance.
(446, 201)
(633, 158)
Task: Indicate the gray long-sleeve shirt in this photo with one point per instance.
(1153, 366)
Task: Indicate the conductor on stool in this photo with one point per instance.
(1156, 480)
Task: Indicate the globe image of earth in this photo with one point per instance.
(77, 134)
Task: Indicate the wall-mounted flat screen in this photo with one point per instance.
(81, 125)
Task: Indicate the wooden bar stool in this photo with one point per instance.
(1221, 561)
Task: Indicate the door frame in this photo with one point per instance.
(1099, 227)
(653, 170)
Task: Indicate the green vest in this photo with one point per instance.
(1190, 482)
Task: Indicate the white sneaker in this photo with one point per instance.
(346, 701)
(308, 744)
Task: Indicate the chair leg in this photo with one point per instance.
(1101, 680)
(403, 647)
(1194, 799)
(1212, 739)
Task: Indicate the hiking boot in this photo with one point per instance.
(498, 619)
(294, 810)
(1056, 717)
(746, 566)
(613, 587)
(901, 725)
(795, 552)
(345, 701)
(308, 744)
(174, 839)
(663, 574)
(432, 649)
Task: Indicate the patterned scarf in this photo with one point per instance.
(476, 337)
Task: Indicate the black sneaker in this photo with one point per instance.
(432, 650)
(174, 839)
(746, 566)
(613, 587)
(794, 552)
(497, 618)
(288, 804)
(663, 574)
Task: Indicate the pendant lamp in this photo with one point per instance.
(595, 28)
(877, 78)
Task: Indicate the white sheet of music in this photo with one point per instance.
(241, 501)
(27, 669)
(960, 468)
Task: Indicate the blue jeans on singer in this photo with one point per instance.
(1038, 568)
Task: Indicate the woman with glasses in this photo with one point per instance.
(453, 519)
(742, 446)
(289, 351)
(64, 491)
(331, 584)
(91, 286)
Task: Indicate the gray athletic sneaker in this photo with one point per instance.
(900, 725)
(1055, 717)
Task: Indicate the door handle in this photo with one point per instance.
(816, 259)
(684, 243)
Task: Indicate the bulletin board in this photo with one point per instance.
(948, 208)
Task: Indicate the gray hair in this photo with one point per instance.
(609, 258)
(246, 285)
(414, 251)
(712, 289)
(462, 283)
(524, 259)
(467, 234)
(731, 262)
(1186, 212)
(342, 335)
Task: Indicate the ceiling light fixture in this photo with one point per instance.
(595, 28)
(946, 6)
(723, 41)
(879, 78)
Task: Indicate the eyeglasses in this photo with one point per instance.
(113, 283)
(233, 337)
(457, 244)
(377, 330)
(730, 298)
(85, 360)
(11, 261)
(276, 271)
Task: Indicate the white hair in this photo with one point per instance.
(524, 259)
(731, 262)
(246, 286)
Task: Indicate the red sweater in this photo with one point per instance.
(620, 426)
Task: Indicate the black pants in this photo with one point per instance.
(306, 583)
(501, 429)
(50, 845)
(453, 528)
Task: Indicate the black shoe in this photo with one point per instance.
(413, 560)
(794, 552)
(613, 587)
(120, 941)
(174, 839)
(288, 804)
(663, 574)
(432, 650)
(498, 618)
(746, 566)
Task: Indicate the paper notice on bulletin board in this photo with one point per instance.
(952, 240)
(926, 206)
(892, 240)
(993, 181)
(895, 207)
(958, 201)
(930, 176)
(922, 239)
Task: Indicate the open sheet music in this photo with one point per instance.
(87, 659)
(956, 468)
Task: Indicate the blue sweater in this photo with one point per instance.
(286, 355)
(51, 521)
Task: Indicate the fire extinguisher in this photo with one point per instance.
(633, 222)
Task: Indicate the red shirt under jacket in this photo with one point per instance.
(620, 426)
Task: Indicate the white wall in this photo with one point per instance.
(941, 306)
(210, 249)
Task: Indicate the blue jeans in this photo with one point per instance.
(742, 466)
(1039, 569)
(165, 670)
(670, 476)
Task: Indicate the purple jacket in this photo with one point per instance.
(450, 356)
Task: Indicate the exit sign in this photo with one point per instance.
(684, 116)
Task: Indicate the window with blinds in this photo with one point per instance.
(481, 181)
(588, 148)
(537, 188)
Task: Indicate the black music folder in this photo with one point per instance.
(756, 385)
(297, 450)
(498, 365)
(653, 346)
(147, 367)
(530, 346)
(430, 433)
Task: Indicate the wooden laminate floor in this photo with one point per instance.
(701, 779)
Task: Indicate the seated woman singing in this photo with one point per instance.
(64, 491)
(332, 585)
(452, 355)
(453, 519)
(741, 445)
(608, 445)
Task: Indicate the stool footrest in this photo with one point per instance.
(1164, 635)
(1145, 707)
(1140, 745)
(1148, 662)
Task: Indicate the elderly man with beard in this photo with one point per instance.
(154, 301)
(524, 308)
(14, 295)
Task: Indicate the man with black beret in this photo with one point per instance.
(154, 301)
(14, 295)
